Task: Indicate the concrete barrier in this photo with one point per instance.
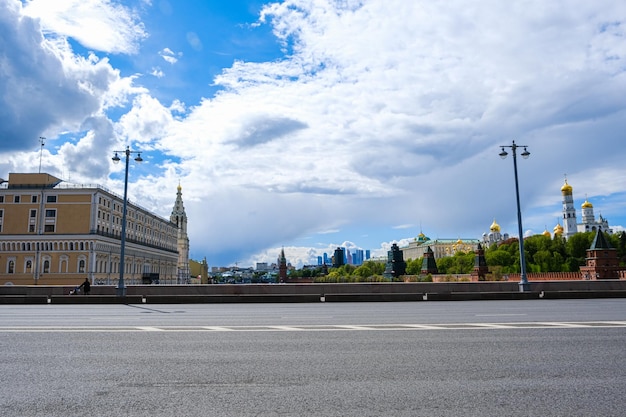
(309, 293)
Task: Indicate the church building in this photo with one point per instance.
(589, 223)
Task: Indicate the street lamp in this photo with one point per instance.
(121, 287)
(524, 285)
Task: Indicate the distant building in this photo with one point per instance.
(589, 223)
(199, 272)
(440, 247)
(58, 234)
(494, 236)
(395, 265)
(338, 258)
(429, 264)
(179, 218)
(601, 261)
(282, 266)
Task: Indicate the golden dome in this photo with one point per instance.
(558, 229)
(422, 237)
(179, 187)
(566, 189)
(546, 233)
(587, 204)
(495, 227)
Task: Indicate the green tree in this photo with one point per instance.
(414, 266)
(363, 271)
(499, 257)
(578, 244)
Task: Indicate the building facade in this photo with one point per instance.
(441, 248)
(59, 234)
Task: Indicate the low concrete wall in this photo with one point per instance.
(283, 293)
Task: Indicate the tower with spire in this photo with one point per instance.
(569, 211)
(179, 217)
(282, 266)
(589, 222)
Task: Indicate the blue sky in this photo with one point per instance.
(313, 124)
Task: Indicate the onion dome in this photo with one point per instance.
(546, 233)
(566, 189)
(558, 229)
(495, 227)
(422, 238)
(587, 204)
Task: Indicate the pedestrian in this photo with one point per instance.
(86, 286)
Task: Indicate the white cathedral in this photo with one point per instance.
(589, 222)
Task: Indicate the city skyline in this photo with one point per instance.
(311, 126)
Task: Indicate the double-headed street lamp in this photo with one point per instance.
(524, 285)
(121, 287)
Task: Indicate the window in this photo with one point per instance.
(1, 213)
(33, 198)
(11, 268)
(51, 199)
(29, 267)
(46, 266)
(51, 213)
(1, 199)
(33, 214)
(81, 266)
(16, 198)
(49, 228)
(31, 228)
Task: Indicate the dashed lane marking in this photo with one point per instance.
(317, 327)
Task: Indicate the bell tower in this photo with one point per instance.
(179, 217)
(569, 211)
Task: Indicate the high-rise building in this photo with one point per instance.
(57, 234)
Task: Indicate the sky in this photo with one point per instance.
(312, 124)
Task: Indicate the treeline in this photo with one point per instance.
(543, 254)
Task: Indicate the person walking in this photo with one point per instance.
(86, 286)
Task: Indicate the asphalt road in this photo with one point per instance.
(493, 358)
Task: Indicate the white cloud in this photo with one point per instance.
(102, 25)
(170, 56)
(382, 113)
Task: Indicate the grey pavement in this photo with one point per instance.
(492, 358)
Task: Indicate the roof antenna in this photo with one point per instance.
(42, 142)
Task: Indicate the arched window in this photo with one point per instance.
(81, 266)
(46, 266)
(11, 269)
(29, 266)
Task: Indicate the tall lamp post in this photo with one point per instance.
(121, 287)
(524, 285)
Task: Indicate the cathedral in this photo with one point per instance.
(570, 221)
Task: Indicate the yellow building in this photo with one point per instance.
(441, 247)
(59, 234)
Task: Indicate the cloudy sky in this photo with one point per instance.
(308, 124)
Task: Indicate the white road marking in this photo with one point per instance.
(318, 327)
(218, 328)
